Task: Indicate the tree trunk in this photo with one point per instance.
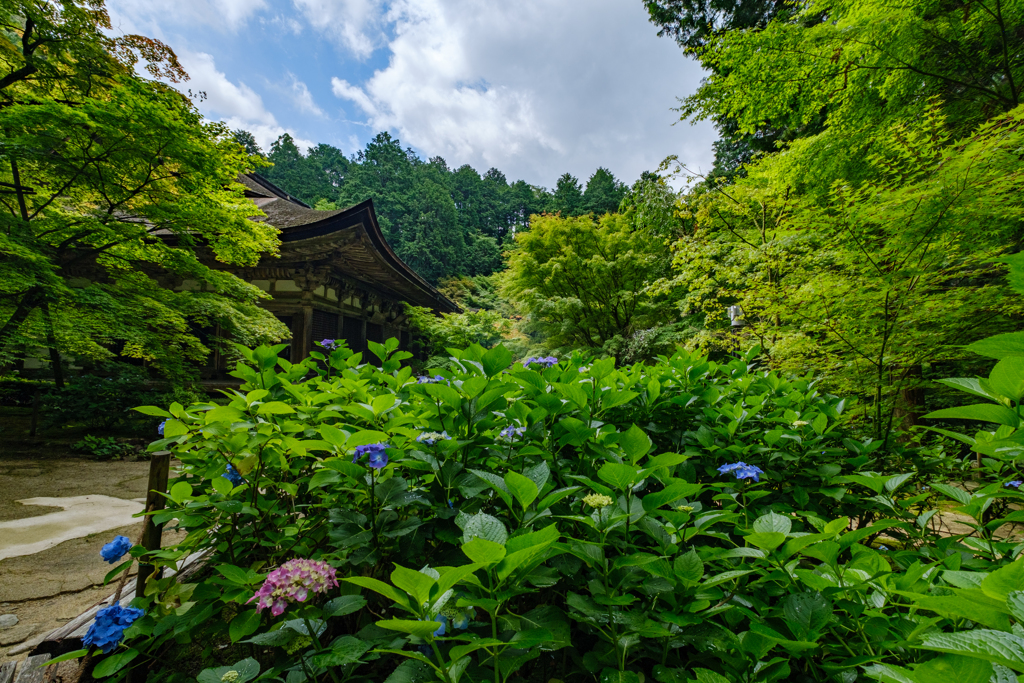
(51, 341)
(29, 302)
(909, 406)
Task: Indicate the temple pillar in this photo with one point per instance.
(305, 319)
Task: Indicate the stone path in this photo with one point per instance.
(80, 516)
(42, 591)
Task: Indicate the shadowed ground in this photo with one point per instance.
(46, 589)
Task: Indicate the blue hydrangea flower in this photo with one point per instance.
(430, 438)
(458, 618)
(328, 344)
(742, 470)
(115, 550)
(233, 476)
(160, 428)
(377, 452)
(108, 628)
(461, 621)
(546, 361)
(511, 432)
(1015, 483)
(427, 379)
(444, 622)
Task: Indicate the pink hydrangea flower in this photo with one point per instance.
(293, 581)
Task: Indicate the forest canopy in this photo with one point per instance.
(443, 222)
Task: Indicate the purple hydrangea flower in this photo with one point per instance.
(160, 428)
(511, 432)
(232, 475)
(115, 550)
(377, 452)
(546, 361)
(1015, 483)
(292, 582)
(427, 379)
(108, 628)
(742, 470)
(329, 344)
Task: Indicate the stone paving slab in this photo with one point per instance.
(47, 589)
(78, 516)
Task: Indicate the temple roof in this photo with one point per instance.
(348, 241)
(256, 186)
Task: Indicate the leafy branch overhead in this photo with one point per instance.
(114, 187)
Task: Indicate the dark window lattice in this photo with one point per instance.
(375, 332)
(325, 326)
(352, 331)
(287, 320)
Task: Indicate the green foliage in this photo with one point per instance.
(567, 199)
(480, 291)
(103, 448)
(603, 193)
(620, 550)
(1001, 449)
(584, 282)
(871, 281)
(443, 222)
(105, 400)
(21, 391)
(694, 23)
(650, 205)
(458, 330)
(113, 183)
(317, 175)
(835, 74)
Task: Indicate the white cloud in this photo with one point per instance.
(304, 99)
(347, 91)
(238, 105)
(133, 16)
(534, 88)
(354, 24)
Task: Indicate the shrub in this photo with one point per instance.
(20, 391)
(103, 448)
(686, 521)
(105, 400)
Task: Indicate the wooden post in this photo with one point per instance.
(159, 473)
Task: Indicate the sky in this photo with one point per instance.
(535, 88)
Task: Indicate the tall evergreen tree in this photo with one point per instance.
(568, 196)
(290, 171)
(603, 193)
(331, 166)
(498, 221)
(248, 141)
(383, 172)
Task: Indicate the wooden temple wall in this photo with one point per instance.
(317, 307)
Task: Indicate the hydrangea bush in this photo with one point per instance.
(567, 521)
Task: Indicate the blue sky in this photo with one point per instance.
(533, 87)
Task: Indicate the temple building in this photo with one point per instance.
(335, 276)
